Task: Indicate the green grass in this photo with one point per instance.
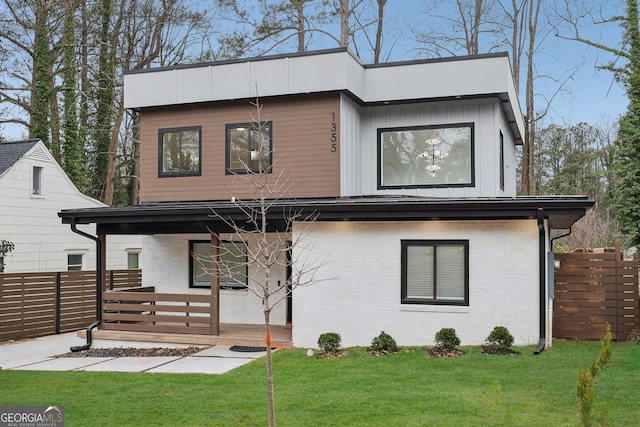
(405, 389)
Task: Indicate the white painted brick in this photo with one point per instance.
(363, 298)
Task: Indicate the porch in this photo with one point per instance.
(141, 314)
(230, 334)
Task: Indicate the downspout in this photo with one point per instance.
(568, 233)
(95, 324)
(542, 273)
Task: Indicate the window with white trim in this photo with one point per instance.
(435, 272)
(37, 181)
(426, 156)
(74, 262)
(233, 264)
(133, 260)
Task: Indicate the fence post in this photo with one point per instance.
(57, 301)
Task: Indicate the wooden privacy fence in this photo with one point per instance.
(593, 290)
(38, 304)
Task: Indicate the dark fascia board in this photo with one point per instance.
(316, 53)
(213, 216)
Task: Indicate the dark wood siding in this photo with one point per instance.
(301, 148)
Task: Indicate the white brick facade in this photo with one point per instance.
(165, 265)
(364, 296)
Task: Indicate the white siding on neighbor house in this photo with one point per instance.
(165, 265)
(361, 297)
(31, 222)
(488, 120)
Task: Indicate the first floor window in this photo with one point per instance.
(179, 151)
(1, 264)
(249, 147)
(74, 262)
(426, 156)
(232, 268)
(435, 272)
(133, 260)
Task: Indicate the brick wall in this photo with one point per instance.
(362, 294)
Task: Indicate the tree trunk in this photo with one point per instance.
(379, 27)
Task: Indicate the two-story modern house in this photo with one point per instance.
(410, 168)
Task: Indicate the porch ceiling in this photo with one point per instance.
(214, 216)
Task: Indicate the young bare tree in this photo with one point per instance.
(258, 251)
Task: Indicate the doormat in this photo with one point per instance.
(247, 349)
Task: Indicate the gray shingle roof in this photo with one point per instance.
(11, 151)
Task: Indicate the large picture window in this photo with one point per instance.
(426, 156)
(249, 147)
(435, 272)
(179, 151)
(233, 264)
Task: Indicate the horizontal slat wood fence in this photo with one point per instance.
(146, 311)
(38, 304)
(593, 290)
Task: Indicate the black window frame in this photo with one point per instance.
(380, 131)
(222, 284)
(251, 126)
(435, 300)
(180, 173)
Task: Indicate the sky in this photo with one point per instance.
(586, 94)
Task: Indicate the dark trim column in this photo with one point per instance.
(214, 310)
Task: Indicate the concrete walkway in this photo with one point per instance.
(38, 354)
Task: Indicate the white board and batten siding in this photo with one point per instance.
(359, 145)
(30, 221)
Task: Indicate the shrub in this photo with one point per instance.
(383, 343)
(500, 338)
(446, 338)
(329, 341)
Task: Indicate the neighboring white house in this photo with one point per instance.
(33, 189)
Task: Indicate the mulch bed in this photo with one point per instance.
(499, 351)
(445, 352)
(134, 352)
(332, 354)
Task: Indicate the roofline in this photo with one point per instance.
(317, 53)
(192, 217)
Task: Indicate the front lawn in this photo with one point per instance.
(404, 389)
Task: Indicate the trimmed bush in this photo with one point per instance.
(446, 338)
(500, 338)
(383, 343)
(329, 341)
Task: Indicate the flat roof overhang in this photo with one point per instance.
(561, 212)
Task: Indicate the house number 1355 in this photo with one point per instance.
(334, 133)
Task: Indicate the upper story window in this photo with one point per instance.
(435, 272)
(37, 181)
(249, 147)
(426, 156)
(179, 151)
